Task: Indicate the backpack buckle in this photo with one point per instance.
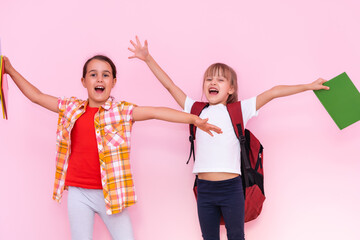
(242, 139)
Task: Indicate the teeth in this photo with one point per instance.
(100, 87)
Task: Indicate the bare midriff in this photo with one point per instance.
(216, 176)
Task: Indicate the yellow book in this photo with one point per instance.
(3, 88)
(1, 92)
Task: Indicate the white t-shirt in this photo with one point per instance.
(220, 153)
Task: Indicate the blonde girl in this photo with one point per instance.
(217, 164)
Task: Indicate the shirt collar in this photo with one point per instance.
(107, 105)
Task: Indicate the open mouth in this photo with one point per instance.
(99, 89)
(213, 91)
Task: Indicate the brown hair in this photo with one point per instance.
(221, 69)
(101, 58)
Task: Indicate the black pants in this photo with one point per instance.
(216, 198)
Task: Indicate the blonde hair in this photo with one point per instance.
(223, 70)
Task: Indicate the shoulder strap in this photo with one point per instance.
(235, 113)
(196, 109)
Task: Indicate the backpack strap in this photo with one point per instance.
(196, 109)
(235, 113)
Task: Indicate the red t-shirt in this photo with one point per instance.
(84, 166)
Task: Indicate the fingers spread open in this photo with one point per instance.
(138, 41)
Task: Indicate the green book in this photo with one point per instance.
(342, 101)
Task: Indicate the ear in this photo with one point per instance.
(231, 90)
(114, 82)
(83, 82)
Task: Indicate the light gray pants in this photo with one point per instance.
(83, 204)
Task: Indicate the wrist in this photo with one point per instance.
(148, 58)
(195, 119)
(308, 86)
(11, 71)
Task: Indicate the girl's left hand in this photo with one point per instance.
(206, 127)
(318, 84)
(139, 51)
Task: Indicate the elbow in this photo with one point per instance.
(153, 113)
(35, 99)
(274, 92)
(168, 87)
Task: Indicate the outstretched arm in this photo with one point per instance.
(29, 90)
(171, 115)
(283, 90)
(142, 53)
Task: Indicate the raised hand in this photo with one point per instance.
(139, 51)
(7, 65)
(142, 53)
(318, 84)
(206, 127)
(29, 90)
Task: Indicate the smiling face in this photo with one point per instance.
(218, 85)
(98, 81)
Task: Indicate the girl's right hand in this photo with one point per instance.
(7, 66)
(29, 90)
(207, 127)
(139, 51)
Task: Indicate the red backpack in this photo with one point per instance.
(251, 159)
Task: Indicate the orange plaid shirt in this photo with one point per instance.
(113, 123)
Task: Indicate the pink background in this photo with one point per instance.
(312, 168)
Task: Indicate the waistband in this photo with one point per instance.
(235, 179)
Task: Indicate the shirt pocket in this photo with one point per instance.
(114, 135)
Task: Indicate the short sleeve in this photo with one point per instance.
(63, 103)
(188, 104)
(127, 111)
(248, 107)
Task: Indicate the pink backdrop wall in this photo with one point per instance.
(312, 168)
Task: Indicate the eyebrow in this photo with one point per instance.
(96, 71)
